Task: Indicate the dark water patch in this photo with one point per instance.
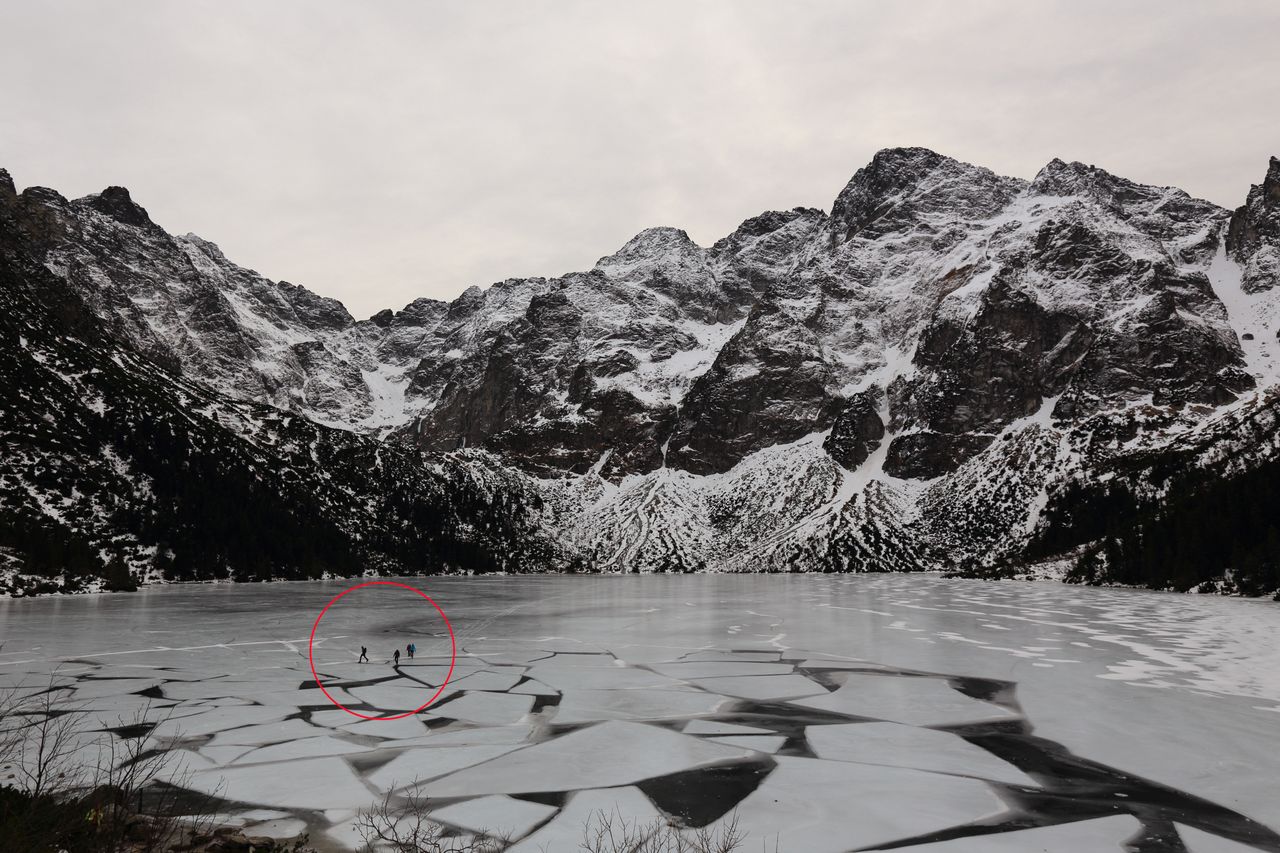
(132, 731)
(151, 693)
(540, 702)
(828, 678)
(796, 747)
(547, 798)
(991, 690)
(993, 727)
(670, 725)
(700, 797)
(555, 730)
(1155, 805)
(1157, 837)
(367, 762)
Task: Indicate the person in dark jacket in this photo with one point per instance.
(397, 657)
(364, 655)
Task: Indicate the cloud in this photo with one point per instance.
(382, 152)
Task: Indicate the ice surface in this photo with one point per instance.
(579, 706)
(345, 832)
(704, 669)
(416, 765)
(403, 727)
(1105, 835)
(763, 686)
(600, 756)
(300, 698)
(809, 804)
(492, 709)
(623, 805)
(312, 783)
(732, 657)
(896, 745)
(760, 743)
(486, 680)
(394, 698)
(498, 817)
(606, 677)
(283, 828)
(470, 736)
(915, 701)
(711, 727)
(286, 730)
(224, 754)
(534, 688)
(310, 747)
(90, 689)
(1146, 671)
(218, 720)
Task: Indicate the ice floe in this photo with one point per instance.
(811, 804)
(415, 765)
(914, 701)
(599, 756)
(311, 783)
(496, 817)
(895, 745)
(622, 805)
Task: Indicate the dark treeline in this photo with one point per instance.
(1222, 533)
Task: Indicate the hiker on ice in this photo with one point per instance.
(411, 648)
(364, 655)
(397, 657)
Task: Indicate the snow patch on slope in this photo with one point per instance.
(1255, 316)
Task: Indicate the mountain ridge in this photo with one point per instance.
(947, 343)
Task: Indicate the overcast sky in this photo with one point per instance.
(378, 152)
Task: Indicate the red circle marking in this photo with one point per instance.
(453, 650)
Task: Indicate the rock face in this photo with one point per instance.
(1253, 239)
(811, 391)
(857, 431)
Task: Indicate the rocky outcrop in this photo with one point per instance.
(768, 385)
(857, 430)
(1253, 237)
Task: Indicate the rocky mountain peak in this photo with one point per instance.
(6, 184)
(1119, 195)
(1253, 236)
(651, 249)
(1059, 177)
(902, 186)
(766, 223)
(119, 205)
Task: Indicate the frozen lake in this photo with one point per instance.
(833, 713)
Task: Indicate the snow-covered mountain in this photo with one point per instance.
(951, 369)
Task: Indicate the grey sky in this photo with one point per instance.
(377, 152)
